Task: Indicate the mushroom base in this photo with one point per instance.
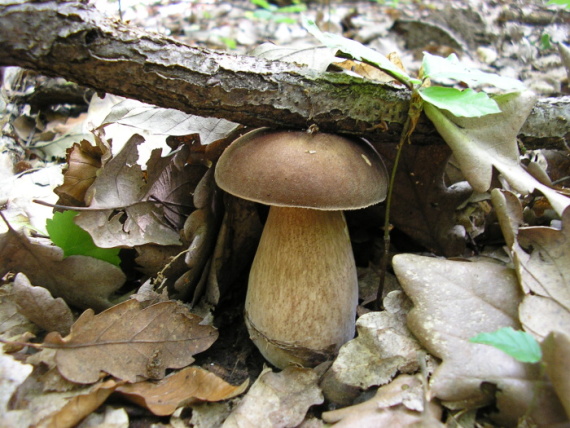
(303, 290)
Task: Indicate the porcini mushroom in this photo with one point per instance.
(302, 289)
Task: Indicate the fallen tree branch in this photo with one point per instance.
(75, 41)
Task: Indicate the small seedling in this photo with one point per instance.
(75, 241)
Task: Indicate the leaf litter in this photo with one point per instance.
(161, 206)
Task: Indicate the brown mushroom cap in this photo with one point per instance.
(298, 169)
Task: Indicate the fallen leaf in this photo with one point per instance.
(83, 162)
(545, 257)
(79, 406)
(167, 121)
(277, 399)
(12, 374)
(454, 301)
(130, 342)
(200, 230)
(481, 144)
(12, 322)
(555, 351)
(423, 207)
(398, 404)
(18, 192)
(187, 386)
(38, 305)
(81, 281)
(129, 207)
(383, 347)
(542, 261)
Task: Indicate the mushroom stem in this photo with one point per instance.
(303, 290)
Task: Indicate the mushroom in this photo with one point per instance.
(302, 289)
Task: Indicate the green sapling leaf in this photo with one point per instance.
(73, 240)
(466, 103)
(358, 52)
(518, 344)
(441, 69)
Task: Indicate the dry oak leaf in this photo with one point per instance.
(130, 343)
(187, 386)
(79, 406)
(39, 306)
(81, 281)
(454, 301)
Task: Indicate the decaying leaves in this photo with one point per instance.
(277, 399)
(192, 384)
(130, 207)
(542, 261)
(81, 281)
(130, 342)
(454, 301)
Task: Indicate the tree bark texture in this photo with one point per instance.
(75, 41)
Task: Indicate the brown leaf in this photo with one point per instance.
(179, 389)
(79, 406)
(423, 207)
(398, 404)
(38, 305)
(277, 399)
(83, 162)
(81, 281)
(130, 343)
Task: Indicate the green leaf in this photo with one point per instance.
(73, 240)
(358, 52)
(440, 69)
(565, 3)
(466, 103)
(263, 4)
(518, 344)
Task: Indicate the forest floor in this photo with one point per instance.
(96, 352)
